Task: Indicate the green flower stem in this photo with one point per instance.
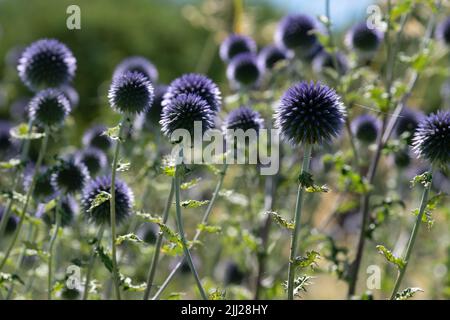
(198, 233)
(115, 270)
(295, 232)
(15, 236)
(412, 239)
(152, 270)
(98, 240)
(50, 249)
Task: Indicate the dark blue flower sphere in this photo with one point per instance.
(197, 84)
(67, 209)
(183, 111)
(101, 213)
(443, 31)
(244, 70)
(93, 158)
(96, 137)
(310, 113)
(44, 189)
(269, 56)
(235, 44)
(11, 224)
(366, 128)
(46, 63)
(243, 118)
(233, 274)
(402, 158)
(325, 60)
(407, 123)
(432, 138)
(296, 32)
(363, 39)
(70, 176)
(131, 92)
(137, 64)
(49, 107)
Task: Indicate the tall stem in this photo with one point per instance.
(112, 206)
(30, 191)
(50, 249)
(152, 271)
(297, 216)
(98, 239)
(412, 239)
(197, 234)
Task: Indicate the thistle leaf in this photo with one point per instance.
(193, 203)
(131, 237)
(280, 220)
(99, 199)
(407, 293)
(399, 262)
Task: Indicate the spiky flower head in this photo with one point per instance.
(244, 70)
(310, 113)
(197, 84)
(325, 60)
(443, 31)
(49, 107)
(235, 44)
(67, 209)
(131, 92)
(96, 137)
(70, 176)
(243, 118)
(363, 39)
(44, 189)
(137, 64)
(296, 32)
(183, 111)
(366, 128)
(46, 63)
(12, 222)
(100, 213)
(407, 123)
(269, 56)
(432, 138)
(93, 158)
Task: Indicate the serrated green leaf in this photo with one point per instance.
(99, 199)
(193, 203)
(208, 228)
(217, 294)
(9, 278)
(309, 260)
(21, 132)
(131, 237)
(104, 258)
(407, 293)
(123, 166)
(190, 184)
(425, 179)
(113, 132)
(148, 217)
(280, 220)
(12, 163)
(399, 262)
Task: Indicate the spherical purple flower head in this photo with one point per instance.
(49, 107)
(366, 128)
(44, 189)
(11, 224)
(7, 145)
(432, 138)
(67, 209)
(310, 113)
(296, 32)
(46, 63)
(402, 158)
(153, 115)
(148, 233)
(407, 122)
(131, 93)
(70, 177)
(137, 64)
(325, 60)
(93, 158)
(96, 137)
(443, 31)
(364, 39)
(244, 70)
(235, 44)
(182, 113)
(270, 55)
(243, 118)
(197, 84)
(233, 273)
(101, 213)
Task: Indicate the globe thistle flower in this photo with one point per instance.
(137, 64)
(325, 60)
(101, 214)
(94, 159)
(131, 92)
(443, 31)
(96, 137)
(44, 189)
(269, 56)
(183, 111)
(49, 107)
(243, 118)
(46, 63)
(67, 209)
(235, 44)
(196, 84)
(310, 113)
(407, 123)
(244, 70)
(233, 274)
(402, 158)
(70, 176)
(363, 39)
(432, 138)
(11, 224)
(366, 128)
(7, 146)
(148, 233)
(296, 32)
